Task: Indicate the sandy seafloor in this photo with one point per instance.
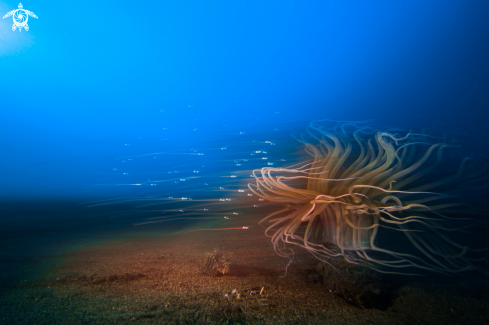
(145, 277)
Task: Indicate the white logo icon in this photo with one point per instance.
(20, 17)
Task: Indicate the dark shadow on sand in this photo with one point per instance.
(246, 270)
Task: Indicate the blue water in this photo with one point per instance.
(76, 88)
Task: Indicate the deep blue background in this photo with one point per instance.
(91, 78)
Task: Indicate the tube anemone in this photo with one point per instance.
(365, 195)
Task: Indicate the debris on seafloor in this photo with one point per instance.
(216, 264)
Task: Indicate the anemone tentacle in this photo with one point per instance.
(362, 180)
